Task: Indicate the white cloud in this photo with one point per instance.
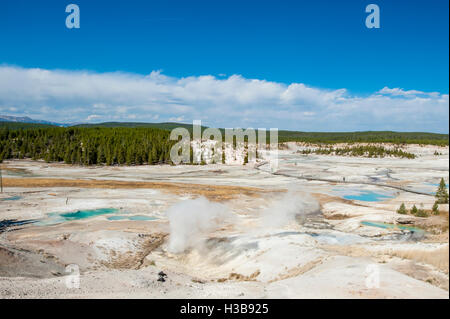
(93, 117)
(73, 96)
(407, 93)
(177, 119)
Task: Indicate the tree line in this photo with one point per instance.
(399, 138)
(87, 146)
(362, 150)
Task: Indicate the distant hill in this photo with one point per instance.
(164, 126)
(26, 119)
(20, 125)
(6, 118)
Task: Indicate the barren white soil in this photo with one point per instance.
(293, 233)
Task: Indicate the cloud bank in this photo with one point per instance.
(82, 96)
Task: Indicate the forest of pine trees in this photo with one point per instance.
(87, 146)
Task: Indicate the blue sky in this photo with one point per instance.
(323, 45)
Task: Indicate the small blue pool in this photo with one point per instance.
(437, 185)
(11, 198)
(368, 196)
(82, 214)
(57, 218)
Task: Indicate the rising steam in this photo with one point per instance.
(191, 220)
(284, 211)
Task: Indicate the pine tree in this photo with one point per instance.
(421, 213)
(414, 210)
(154, 153)
(150, 158)
(442, 193)
(120, 156)
(435, 208)
(101, 158)
(402, 209)
(68, 156)
(130, 156)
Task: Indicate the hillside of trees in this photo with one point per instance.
(21, 125)
(163, 126)
(87, 146)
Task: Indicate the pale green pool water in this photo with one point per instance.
(391, 226)
(58, 218)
